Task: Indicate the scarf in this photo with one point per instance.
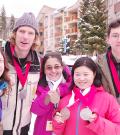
(54, 84)
(114, 72)
(85, 100)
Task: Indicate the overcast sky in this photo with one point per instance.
(18, 7)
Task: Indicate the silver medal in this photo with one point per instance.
(85, 113)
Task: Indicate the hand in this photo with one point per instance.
(93, 117)
(54, 97)
(58, 117)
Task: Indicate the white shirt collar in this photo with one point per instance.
(85, 91)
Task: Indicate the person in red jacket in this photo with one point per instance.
(88, 109)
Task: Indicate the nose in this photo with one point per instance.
(81, 77)
(25, 35)
(53, 69)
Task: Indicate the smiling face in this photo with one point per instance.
(25, 37)
(53, 69)
(83, 77)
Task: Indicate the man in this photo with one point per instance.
(24, 66)
(110, 63)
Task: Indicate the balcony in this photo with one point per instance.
(71, 30)
(71, 18)
(58, 34)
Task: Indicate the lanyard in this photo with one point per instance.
(22, 76)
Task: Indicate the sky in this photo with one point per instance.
(18, 7)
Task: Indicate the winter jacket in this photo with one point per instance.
(16, 111)
(107, 122)
(44, 112)
(107, 78)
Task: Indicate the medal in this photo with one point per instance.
(85, 113)
(65, 113)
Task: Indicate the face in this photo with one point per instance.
(53, 69)
(25, 37)
(1, 64)
(83, 77)
(114, 39)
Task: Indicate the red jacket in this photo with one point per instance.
(107, 123)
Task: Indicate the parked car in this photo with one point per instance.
(70, 59)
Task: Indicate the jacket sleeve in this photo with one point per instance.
(38, 105)
(110, 125)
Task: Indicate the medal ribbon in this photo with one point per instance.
(114, 73)
(22, 77)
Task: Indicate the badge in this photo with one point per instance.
(85, 113)
(65, 113)
(49, 126)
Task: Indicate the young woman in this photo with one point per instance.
(4, 83)
(88, 109)
(54, 83)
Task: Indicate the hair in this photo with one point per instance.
(56, 55)
(5, 76)
(89, 63)
(113, 25)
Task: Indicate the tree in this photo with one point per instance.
(92, 26)
(3, 23)
(12, 22)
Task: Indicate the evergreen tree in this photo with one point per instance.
(12, 22)
(92, 26)
(3, 22)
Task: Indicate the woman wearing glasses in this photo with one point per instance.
(54, 83)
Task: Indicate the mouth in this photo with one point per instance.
(23, 42)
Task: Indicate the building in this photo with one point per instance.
(55, 24)
(113, 9)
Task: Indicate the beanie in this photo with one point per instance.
(27, 19)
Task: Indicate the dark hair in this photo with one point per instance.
(88, 62)
(56, 55)
(113, 24)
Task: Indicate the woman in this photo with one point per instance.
(54, 83)
(4, 83)
(88, 109)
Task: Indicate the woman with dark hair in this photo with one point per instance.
(88, 109)
(4, 83)
(53, 85)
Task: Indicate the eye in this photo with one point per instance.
(77, 74)
(57, 67)
(115, 35)
(48, 68)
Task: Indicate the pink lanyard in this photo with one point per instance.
(114, 73)
(22, 77)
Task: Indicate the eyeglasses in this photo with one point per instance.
(115, 36)
(50, 68)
